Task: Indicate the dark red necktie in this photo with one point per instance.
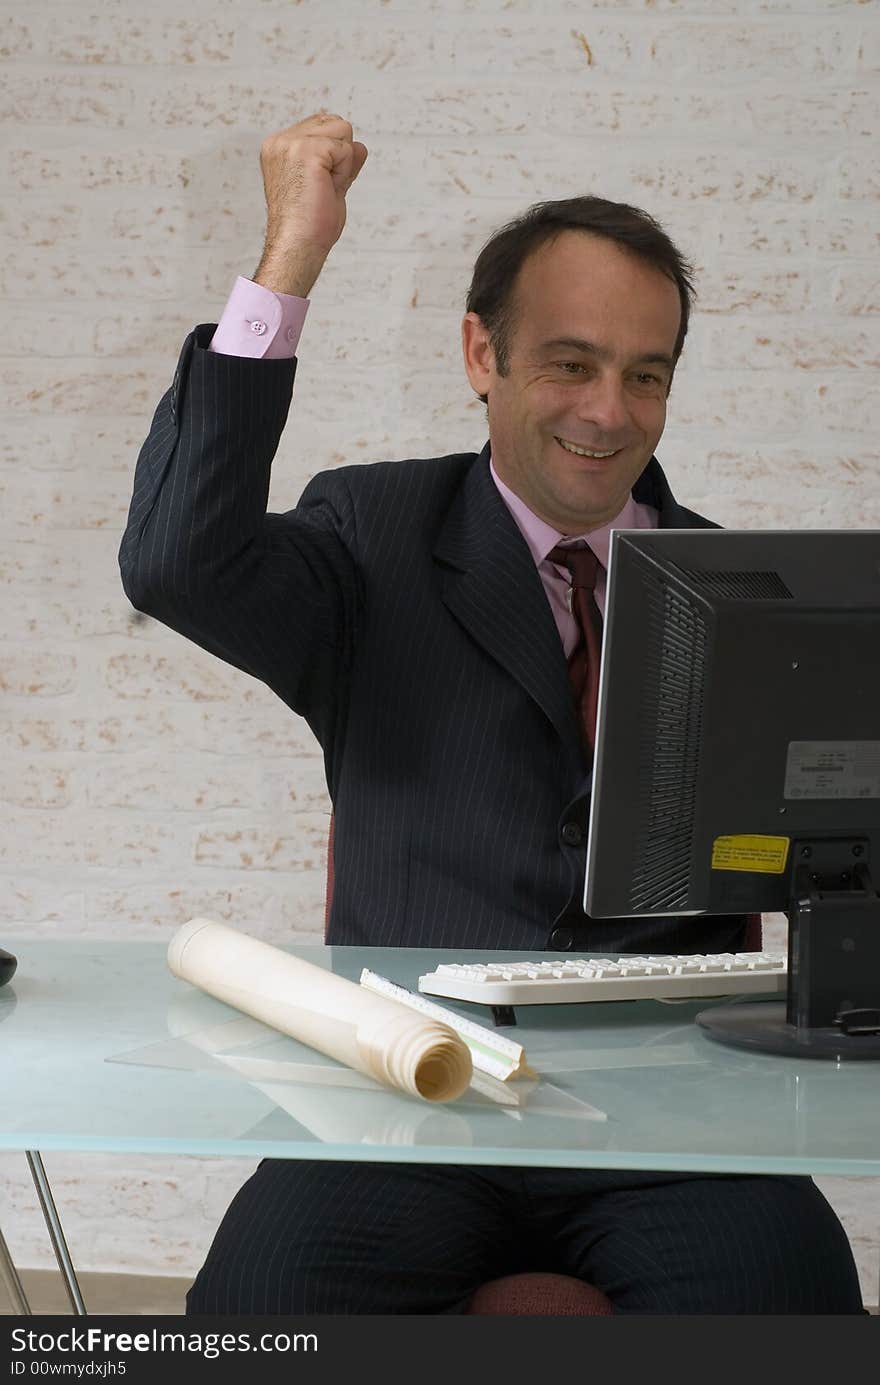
(583, 665)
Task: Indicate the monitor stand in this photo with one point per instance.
(832, 1008)
(766, 1028)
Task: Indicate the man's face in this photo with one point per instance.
(607, 395)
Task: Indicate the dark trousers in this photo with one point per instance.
(305, 1237)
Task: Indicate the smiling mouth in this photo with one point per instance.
(587, 454)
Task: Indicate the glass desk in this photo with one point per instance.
(102, 1049)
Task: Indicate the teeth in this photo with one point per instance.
(582, 451)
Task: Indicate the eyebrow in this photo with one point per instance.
(600, 352)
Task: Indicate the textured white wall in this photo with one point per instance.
(143, 781)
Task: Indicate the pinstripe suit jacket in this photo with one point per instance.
(397, 609)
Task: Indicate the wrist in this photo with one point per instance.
(289, 267)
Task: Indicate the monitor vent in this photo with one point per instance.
(754, 586)
(669, 749)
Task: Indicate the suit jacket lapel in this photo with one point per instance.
(491, 585)
(652, 488)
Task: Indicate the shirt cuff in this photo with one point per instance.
(259, 323)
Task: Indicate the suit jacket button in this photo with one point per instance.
(562, 939)
(572, 834)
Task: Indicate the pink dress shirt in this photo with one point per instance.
(260, 323)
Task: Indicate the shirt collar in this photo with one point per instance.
(541, 537)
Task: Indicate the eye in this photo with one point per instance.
(646, 378)
(576, 364)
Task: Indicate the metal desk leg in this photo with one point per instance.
(11, 1281)
(59, 1245)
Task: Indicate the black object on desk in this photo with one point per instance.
(8, 963)
(503, 1014)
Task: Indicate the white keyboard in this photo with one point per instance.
(603, 978)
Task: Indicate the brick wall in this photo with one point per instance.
(144, 781)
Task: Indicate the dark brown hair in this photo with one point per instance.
(491, 294)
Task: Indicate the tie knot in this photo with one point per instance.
(581, 562)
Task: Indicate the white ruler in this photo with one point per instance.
(490, 1052)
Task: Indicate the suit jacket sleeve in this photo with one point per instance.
(276, 595)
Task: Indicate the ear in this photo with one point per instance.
(479, 358)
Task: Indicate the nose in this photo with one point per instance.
(604, 403)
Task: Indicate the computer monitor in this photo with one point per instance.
(737, 765)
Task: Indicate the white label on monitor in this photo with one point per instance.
(832, 769)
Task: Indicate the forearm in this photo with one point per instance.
(201, 482)
(277, 596)
(288, 267)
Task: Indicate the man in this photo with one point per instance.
(411, 611)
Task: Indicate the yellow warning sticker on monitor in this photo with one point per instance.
(765, 854)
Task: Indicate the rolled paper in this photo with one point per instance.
(336, 1104)
(370, 1033)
